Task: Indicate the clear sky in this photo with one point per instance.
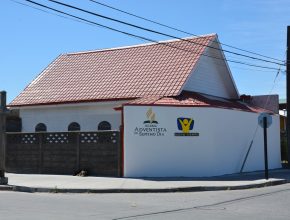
(31, 39)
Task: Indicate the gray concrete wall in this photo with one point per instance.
(64, 153)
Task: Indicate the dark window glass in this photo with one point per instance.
(104, 125)
(74, 126)
(40, 127)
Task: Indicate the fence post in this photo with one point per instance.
(78, 150)
(3, 111)
(40, 139)
(120, 151)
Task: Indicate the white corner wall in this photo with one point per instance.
(58, 117)
(224, 137)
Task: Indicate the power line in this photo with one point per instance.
(147, 39)
(270, 71)
(30, 6)
(158, 32)
(257, 126)
(176, 29)
(117, 30)
(80, 21)
(69, 18)
(252, 69)
(150, 40)
(255, 132)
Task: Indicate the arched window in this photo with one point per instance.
(74, 126)
(104, 125)
(40, 127)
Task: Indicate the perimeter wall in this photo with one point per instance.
(218, 143)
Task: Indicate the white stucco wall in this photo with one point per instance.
(58, 117)
(224, 137)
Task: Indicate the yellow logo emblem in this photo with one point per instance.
(186, 126)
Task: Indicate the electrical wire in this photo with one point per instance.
(179, 30)
(69, 18)
(257, 70)
(257, 126)
(158, 32)
(145, 38)
(251, 69)
(72, 18)
(30, 6)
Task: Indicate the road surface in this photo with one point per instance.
(261, 203)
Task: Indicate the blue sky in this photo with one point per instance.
(31, 39)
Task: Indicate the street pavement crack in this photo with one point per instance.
(204, 207)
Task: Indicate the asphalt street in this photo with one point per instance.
(261, 203)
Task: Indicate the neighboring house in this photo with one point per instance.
(153, 91)
(283, 114)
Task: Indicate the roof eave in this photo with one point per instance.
(69, 102)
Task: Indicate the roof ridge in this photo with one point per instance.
(137, 45)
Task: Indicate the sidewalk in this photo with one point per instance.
(75, 184)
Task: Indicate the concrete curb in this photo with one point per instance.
(145, 190)
(3, 180)
(6, 188)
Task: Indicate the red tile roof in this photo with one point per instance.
(111, 74)
(193, 99)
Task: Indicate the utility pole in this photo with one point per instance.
(288, 94)
(3, 112)
(265, 126)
